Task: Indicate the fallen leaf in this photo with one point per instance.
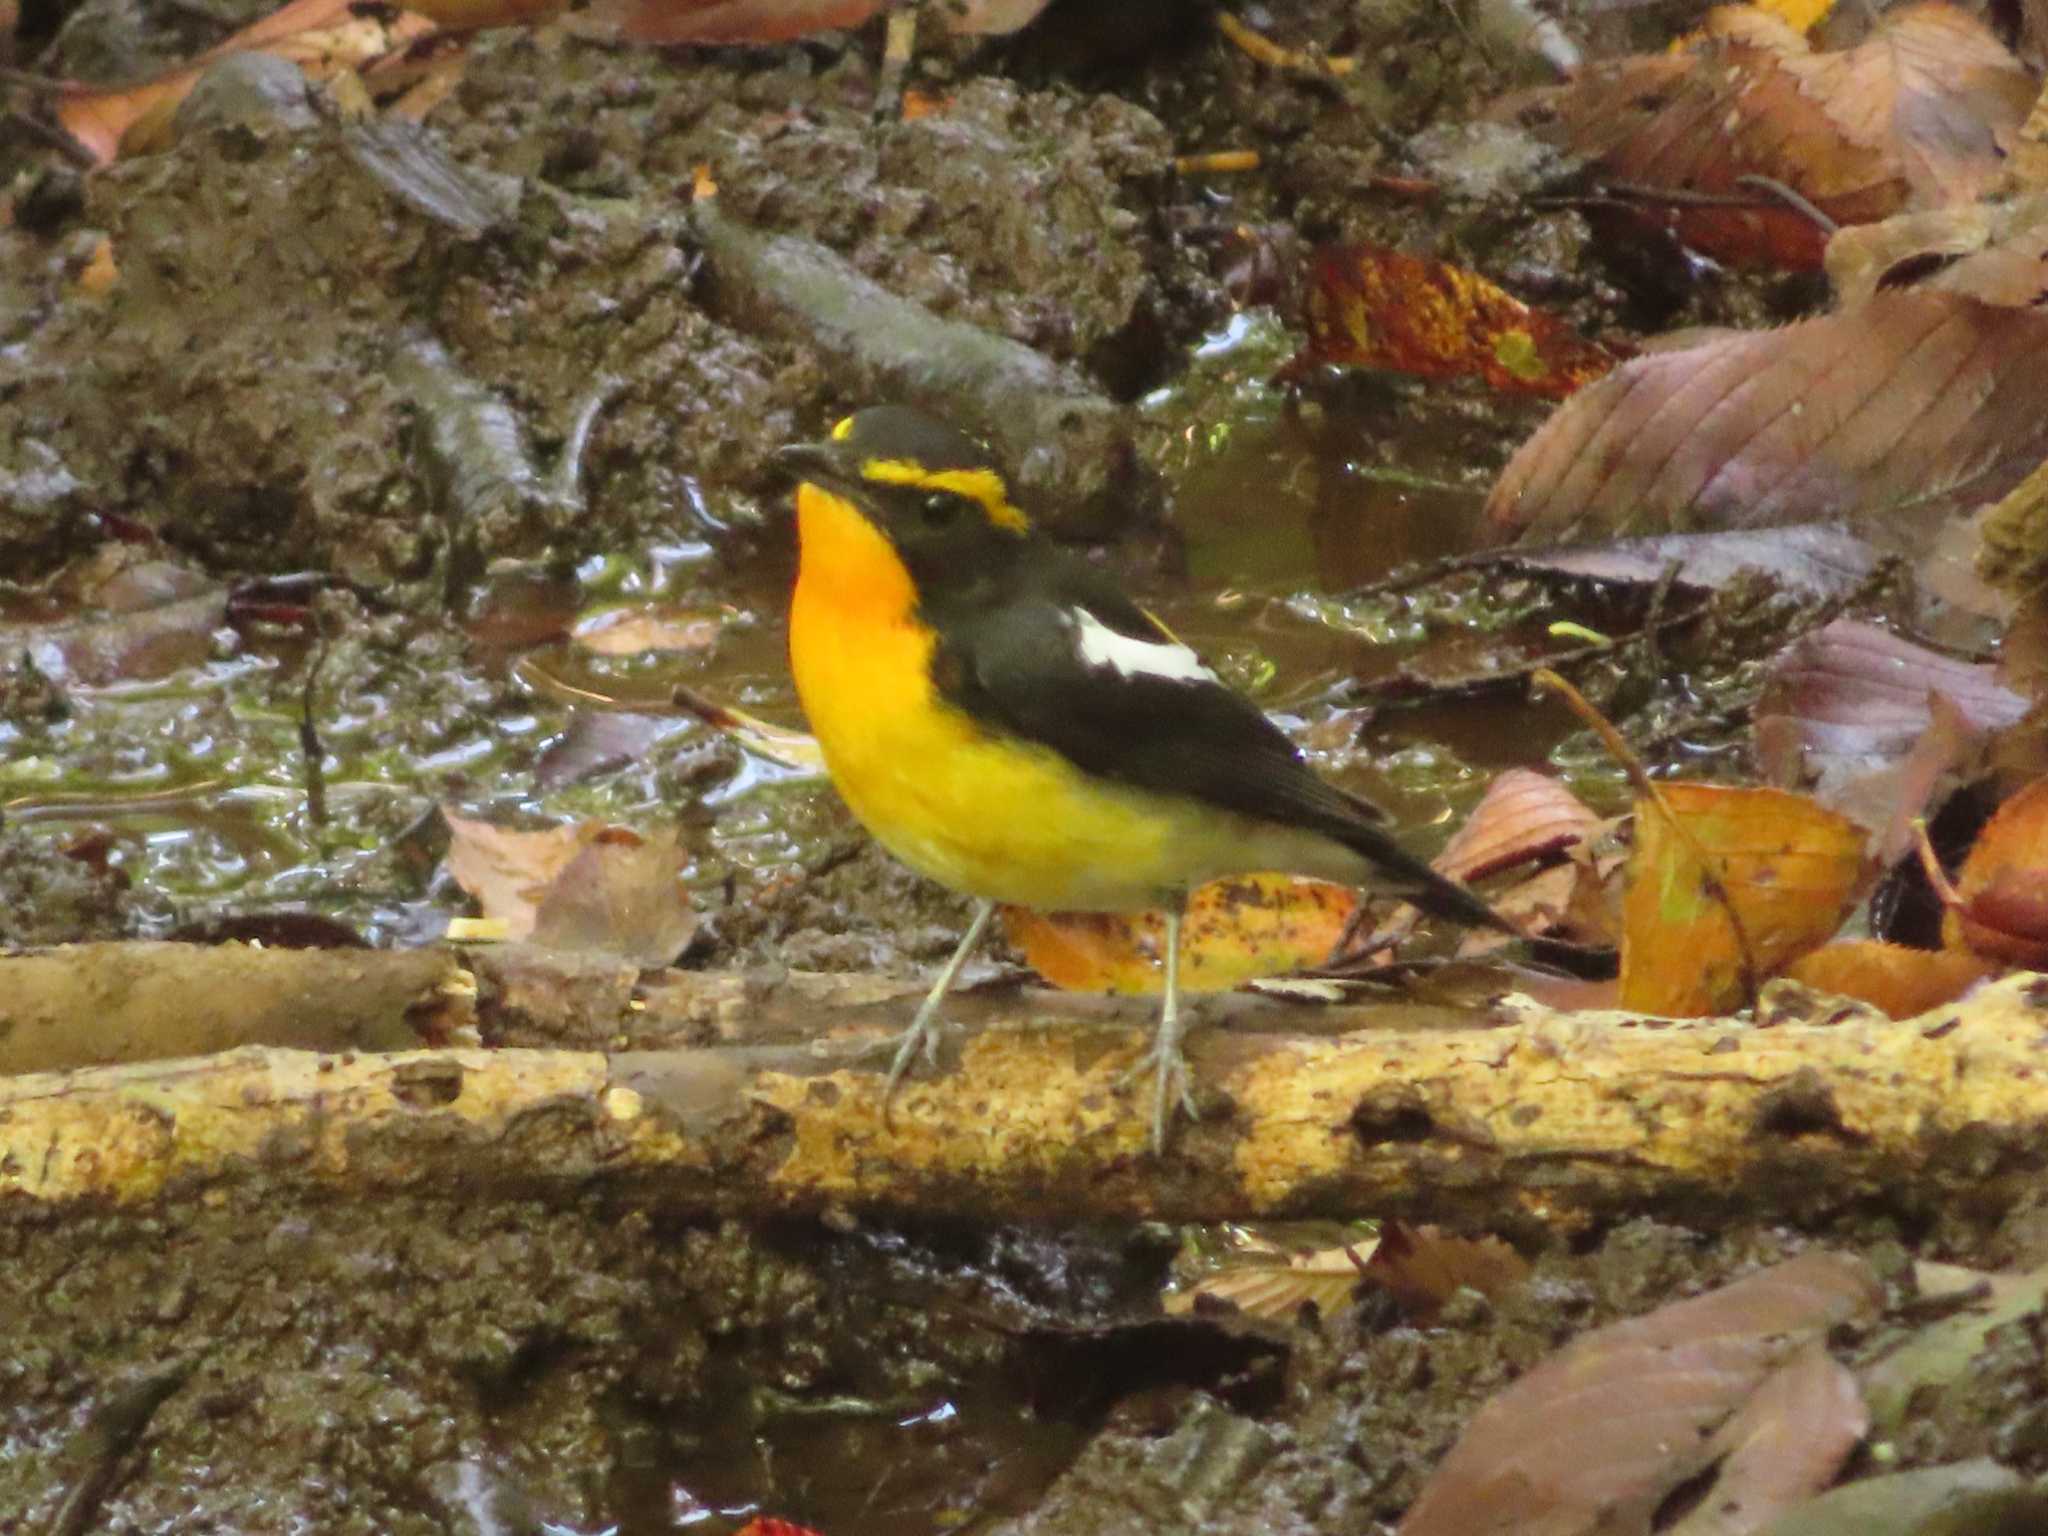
(1790, 868)
(989, 18)
(620, 895)
(1902, 982)
(1815, 559)
(145, 620)
(715, 21)
(2003, 887)
(1997, 253)
(1943, 1351)
(1373, 307)
(631, 631)
(1920, 114)
(1877, 722)
(2012, 548)
(1598, 1435)
(325, 38)
(1787, 1443)
(1275, 1285)
(1235, 931)
(1887, 417)
(1963, 1498)
(506, 871)
(1422, 1267)
(1523, 817)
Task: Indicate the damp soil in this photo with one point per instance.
(376, 417)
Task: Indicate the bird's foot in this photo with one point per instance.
(921, 1039)
(1167, 1066)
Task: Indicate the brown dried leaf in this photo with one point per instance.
(325, 38)
(620, 895)
(1598, 1435)
(715, 21)
(1944, 1351)
(1276, 1285)
(1889, 417)
(1421, 1267)
(506, 871)
(1856, 688)
(1995, 253)
(145, 618)
(1878, 722)
(1919, 114)
(1523, 816)
(1785, 1446)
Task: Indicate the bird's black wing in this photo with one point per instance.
(1073, 664)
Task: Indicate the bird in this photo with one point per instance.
(1005, 720)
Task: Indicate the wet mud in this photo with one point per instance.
(484, 375)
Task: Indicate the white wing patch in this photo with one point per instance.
(1100, 646)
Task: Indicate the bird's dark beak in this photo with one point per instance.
(819, 462)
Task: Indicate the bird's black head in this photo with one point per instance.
(934, 491)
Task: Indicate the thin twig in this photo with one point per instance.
(1790, 198)
(1258, 46)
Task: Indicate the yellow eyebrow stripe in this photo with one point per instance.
(981, 486)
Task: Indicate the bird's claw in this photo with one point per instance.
(920, 1039)
(1167, 1065)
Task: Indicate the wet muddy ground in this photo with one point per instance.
(483, 384)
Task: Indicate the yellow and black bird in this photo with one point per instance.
(1007, 722)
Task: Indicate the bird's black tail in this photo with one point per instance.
(1400, 873)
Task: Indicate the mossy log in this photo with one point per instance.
(1507, 1118)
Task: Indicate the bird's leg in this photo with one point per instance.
(1167, 1062)
(899, 44)
(925, 1028)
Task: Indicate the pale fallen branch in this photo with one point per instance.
(1511, 1118)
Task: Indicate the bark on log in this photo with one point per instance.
(1515, 1117)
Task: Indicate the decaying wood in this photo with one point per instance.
(1511, 1117)
(95, 1004)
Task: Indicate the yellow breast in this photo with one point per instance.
(996, 817)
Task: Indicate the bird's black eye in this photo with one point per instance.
(939, 509)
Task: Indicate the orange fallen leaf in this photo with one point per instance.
(1790, 868)
(1900, 981)
(1373, 307)
(2002, 911)
(1236, 931)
